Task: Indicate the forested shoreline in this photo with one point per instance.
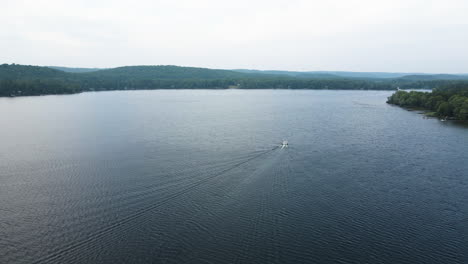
(448, 102)
(23, 80)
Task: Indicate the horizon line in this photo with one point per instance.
(249, 69)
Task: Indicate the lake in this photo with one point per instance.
(198, 176)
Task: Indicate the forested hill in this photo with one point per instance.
(26, 72)
(19, 80)
(153, 72)
(168, 73)
(69, 69)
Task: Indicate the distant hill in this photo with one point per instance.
(435, 77)
(332, 74)
(166, 72)
(76, 70)
(318, 75)
(16, 71)
(376, 75)
(159, 72)
(178, 72)
(19, 80)
(362, 75)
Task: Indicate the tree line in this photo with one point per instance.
(22, 87)
(449, 101)
(21, 80)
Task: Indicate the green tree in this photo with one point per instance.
(444, 109)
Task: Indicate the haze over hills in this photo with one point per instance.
(298, 74)
(362, 75)
(346, 74)
(18, 80)
(78, 70)
(436, 77)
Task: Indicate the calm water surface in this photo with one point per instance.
(198, 177)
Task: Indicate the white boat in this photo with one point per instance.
(284, 144)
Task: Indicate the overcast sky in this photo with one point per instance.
(349, 35)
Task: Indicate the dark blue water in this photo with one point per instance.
(198, 177)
